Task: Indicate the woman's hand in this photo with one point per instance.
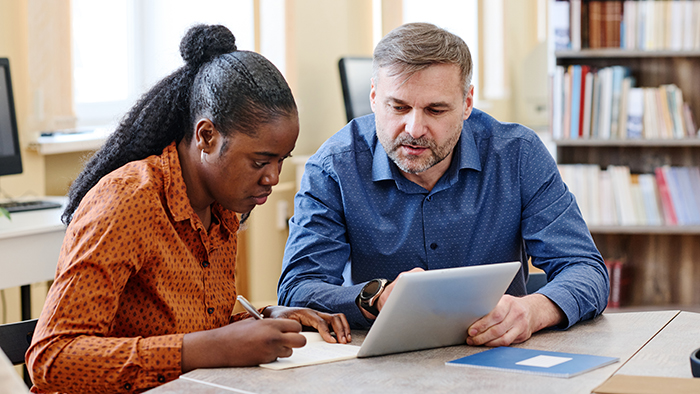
(323, 322)
(245, 343)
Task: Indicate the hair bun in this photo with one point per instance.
(202, 43)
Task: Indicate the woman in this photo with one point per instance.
(145, 283)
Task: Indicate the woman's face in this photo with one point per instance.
(241, 173)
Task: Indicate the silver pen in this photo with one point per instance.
(248, 307)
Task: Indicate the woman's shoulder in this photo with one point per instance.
(134, 187)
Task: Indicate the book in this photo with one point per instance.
(686, 191)
(637, 200)
(531, 361)
(674, 189)
(614, 268)
(575, 101)
(316, 351)
(620, 176)
(635, 113)
(560, 24)
(666, 203)
(595, 23)
(647, 183)
(622, 118)
(575, 24)
(608, 210)
(587, 103)
(605, 104)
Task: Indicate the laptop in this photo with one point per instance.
(434, 308)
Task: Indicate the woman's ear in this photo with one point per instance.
(205, 135)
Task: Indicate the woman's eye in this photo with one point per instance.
(260, 164)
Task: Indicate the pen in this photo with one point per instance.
(248, 307)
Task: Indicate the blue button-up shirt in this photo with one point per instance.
(356, 218)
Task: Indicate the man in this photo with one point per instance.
(430, 182)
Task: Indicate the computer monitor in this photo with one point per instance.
(356, 81)
(10, 158)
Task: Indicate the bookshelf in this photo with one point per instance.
(661, 262)
(657, 43)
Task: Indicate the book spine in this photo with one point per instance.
(666, 202)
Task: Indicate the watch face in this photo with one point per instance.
(371, 288)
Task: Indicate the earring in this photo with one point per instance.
(202, 157)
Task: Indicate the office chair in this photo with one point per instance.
(14, 341)
(534, 281)
(356, 82)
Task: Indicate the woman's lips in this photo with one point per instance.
(260, 200)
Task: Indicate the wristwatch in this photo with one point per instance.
(368, 297)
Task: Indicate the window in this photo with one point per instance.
(459, 17)
(122, 47)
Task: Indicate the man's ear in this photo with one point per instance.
(469, 103)
(205, 135)
(372, 96)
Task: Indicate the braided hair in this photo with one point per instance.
(237, 90)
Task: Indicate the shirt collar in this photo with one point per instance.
(176, 193)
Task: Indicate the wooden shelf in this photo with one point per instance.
(680, 142)
(615, 53)
(644, 229)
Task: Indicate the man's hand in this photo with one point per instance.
(514, 320)
(323, 322)
(385, 295)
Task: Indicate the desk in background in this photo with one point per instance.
(29, 248)
(616, 334)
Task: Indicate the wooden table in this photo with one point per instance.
(668, 353)
(617, 334)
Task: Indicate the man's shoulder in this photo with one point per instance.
(359, 135)
(485, 127)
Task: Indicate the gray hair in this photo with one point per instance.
(416, 46)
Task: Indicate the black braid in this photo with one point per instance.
(237, 90)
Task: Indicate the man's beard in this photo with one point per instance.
(412, 164)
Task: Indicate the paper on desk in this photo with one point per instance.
(627, 384)
(316, 351)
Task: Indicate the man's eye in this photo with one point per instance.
(260, 164)
(399, 108)
(436, 111)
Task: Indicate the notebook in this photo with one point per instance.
(538, 362)
(434, 308)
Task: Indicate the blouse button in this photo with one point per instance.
(205, 264)
(161, 378)
(127, 386)
(433, 246)
(210, 310)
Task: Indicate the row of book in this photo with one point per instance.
(605, 104)
(614, 196)
(630, 24)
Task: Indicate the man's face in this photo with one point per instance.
(419, 119)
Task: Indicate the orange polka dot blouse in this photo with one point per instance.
(137, 271)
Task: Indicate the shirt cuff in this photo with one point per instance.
(162, 360)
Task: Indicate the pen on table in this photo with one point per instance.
(248, 307)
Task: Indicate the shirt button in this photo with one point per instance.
(433, 246)
(161, 378)
(205, 264)
(210, 310)
(127, 386)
